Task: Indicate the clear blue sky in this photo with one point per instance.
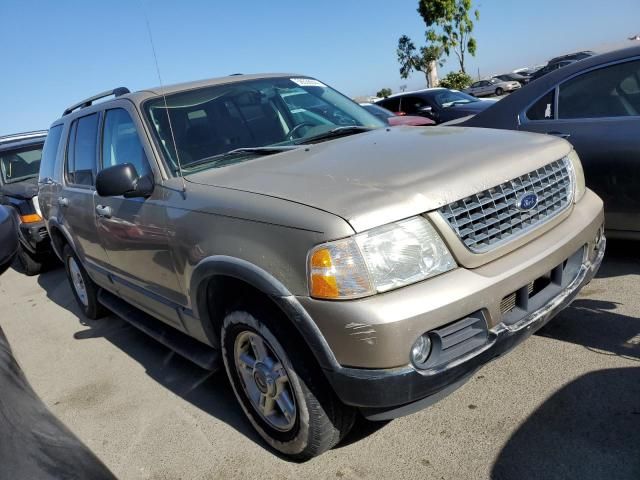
(55, 53)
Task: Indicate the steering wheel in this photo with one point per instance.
(298, 127)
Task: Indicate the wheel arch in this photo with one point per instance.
(220, 280)
(59, 238)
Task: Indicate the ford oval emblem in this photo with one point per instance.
(527, 201)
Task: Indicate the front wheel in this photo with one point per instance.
(499, 91)
(30, 266)
(285, 398)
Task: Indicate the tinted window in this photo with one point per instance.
(543, 109)
(606, 92)
(378, 111)
(20, 164)
(121, 143)
(81, 154)
(411, 105)
(49, 153)
(392, 104)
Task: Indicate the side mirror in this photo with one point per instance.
(123, 180)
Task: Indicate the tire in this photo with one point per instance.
(30, 266)
(286, 376)
(84, 289)
(499, 91)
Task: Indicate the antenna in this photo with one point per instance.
(164, 97)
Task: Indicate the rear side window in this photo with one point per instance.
(49, 153)
(121, 143)
(544, 108)
(607, 92)
(81, 154)
(392, 104)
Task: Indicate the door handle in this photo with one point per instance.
(63, 202)
(103, 211)
(559, 134)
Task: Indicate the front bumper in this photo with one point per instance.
(34, 238)
(389, 393)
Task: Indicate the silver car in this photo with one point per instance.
(493, 86)
(268, 225)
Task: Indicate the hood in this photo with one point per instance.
(388, 174)
(23, 190)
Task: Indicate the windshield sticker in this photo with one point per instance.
(307, 82)
(547, 112)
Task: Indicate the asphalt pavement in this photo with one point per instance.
(565, 404)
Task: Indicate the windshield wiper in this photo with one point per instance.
(336, 132)
(232, 153)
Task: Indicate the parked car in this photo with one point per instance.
(396, 120)
(551, 67)
(573, 56)
(493, 86)
(329, 268)
(522, 79)
(438, 104)
(595, 105)
(8, 237)
(19, 165)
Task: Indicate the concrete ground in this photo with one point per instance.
(565, 404)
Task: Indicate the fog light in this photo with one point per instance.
(421, 350)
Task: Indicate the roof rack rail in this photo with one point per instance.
(15, 137)
(89, 101)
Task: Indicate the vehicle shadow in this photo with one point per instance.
(209, 391)
(621, 258)
(590, 429)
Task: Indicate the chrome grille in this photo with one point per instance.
(490, 218)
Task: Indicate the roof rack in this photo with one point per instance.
(89, 101)
(15, 137)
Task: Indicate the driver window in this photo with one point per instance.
(121, 143)
(606, 92)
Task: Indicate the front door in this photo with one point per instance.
(133, 230)
(599, 113)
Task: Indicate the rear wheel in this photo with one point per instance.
(499, 91)
(84, 289)
(285, 398)
(30, 266)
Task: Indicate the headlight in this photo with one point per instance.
(379, 260)
(578, 175)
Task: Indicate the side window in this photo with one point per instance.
(544, 108)
(605, 92)
(120, 142)
(49, 153)
(81, 165)
(411, 105)
(392, 104)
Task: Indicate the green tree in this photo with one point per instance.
(384, 93)
(456, 80)
(424, 60)
(449, 26)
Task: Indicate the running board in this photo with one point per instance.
(185, 346)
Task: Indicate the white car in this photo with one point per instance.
(491, 87)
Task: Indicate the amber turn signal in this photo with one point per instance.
(30, 218)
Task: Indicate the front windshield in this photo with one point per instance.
(17, 165)
(448, 98)
(216, 121)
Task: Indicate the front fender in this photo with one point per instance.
(222, 265)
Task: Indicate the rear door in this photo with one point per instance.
(599, 113)
(133, 230)
(76, 209)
